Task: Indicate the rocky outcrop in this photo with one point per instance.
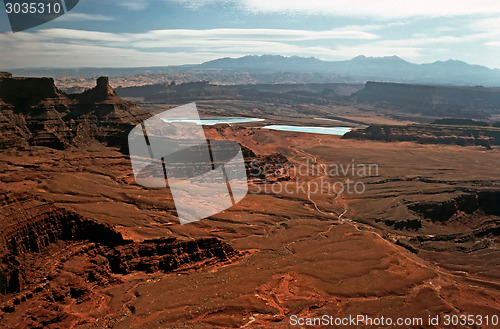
(472, 222)
(486, 202)
(24, 93)
(429, 134)
(409, 224)
(169, 254)
(33, 111)
(101, 92)
(28, 226)
(268, 169)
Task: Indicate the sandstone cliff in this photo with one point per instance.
(429, 134)
(33, 111)
(435, 100)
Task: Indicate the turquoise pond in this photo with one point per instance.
(314, 130)
(213, 121)
(210, 121)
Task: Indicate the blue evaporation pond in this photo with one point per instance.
(313, 130)
(213, 121)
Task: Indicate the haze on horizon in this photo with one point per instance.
(140, 33)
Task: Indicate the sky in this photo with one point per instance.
(141, 33)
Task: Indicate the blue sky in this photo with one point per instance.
(125, 33)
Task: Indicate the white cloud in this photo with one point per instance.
(378, 9)
(486, 24)
(74, 36)
(195, 4)
(264, 34)
(73, 17)
(194, 38)
(49, 47)
(134, 5)
(130, 48)
(429, 41)
(50, 54)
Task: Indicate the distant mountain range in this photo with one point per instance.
(356, 70)
(391, 68)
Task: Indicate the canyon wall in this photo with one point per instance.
(429, 134)
(435, 100)
(33, 111)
